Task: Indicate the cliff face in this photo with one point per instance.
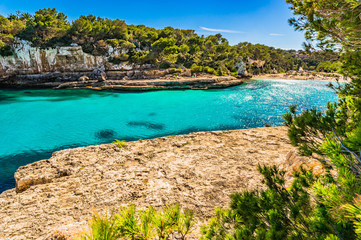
(63, 67)
(54, 197)
(30, 60)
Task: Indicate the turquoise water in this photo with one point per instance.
(35, 123)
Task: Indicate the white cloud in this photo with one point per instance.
(220, 30)
(276, 34)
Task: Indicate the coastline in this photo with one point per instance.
(194, 83)
(43, 81)
(54, 197)
(203, 82)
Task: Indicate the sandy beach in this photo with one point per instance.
(304, 76)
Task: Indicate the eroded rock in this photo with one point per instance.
(198, 170)
(84, 78)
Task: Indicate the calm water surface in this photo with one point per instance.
(35, 123)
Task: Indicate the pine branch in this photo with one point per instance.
(345, 148)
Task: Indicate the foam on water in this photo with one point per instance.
(34, 123)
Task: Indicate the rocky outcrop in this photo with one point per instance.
(54, 198)
(156, 84)
(98, 74)
(120, 80)
(29, 60)
(70, 67)
(256, 63)
(32, 67)
(133, 80)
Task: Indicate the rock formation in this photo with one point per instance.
(67, 67)
(155, 84)
(54, 198)
(29, 60)
(99, 74)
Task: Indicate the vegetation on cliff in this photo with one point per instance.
(162, 48)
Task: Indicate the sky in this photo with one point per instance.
(254, 21)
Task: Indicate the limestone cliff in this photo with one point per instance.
(36, 67)
(64, 67)
(31, 60)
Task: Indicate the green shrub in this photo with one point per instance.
(330, 67)
(205, 69)
(129, 223)
(126, 45)
(119, 59)
(138, 57)
(174, 70)
(274, 213)
(120, 143)
(5, 50)
(113, 42)
(209, 70)
(222, 70)
(101, 228)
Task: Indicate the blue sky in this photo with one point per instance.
(255, 21)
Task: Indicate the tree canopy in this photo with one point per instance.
(328, 21)
(163, 48)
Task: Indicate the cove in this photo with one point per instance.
(35, 123)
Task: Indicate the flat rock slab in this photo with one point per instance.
(198, 170)
(156, 84)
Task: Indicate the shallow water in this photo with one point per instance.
(35, 123)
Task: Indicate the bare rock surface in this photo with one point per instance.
(208, 82)
(198, 170)
(125, 80)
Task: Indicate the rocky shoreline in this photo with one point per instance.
(54, 198)
(155, 84)
(70, 67)
(145, 80)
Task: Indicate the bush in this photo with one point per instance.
(129, 223)
(120, 144)
(174, 70)
(101, 228)
(222, 70)
(205, 69)
(119, 59)
(5, 49)
(275, 213)
(287, 213)
(113, 42)
(125, 45)
(101, 48)
(138, 57)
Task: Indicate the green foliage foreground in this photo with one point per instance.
(169, 223)
(275, 213)
(327, 206)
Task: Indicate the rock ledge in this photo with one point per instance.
(198, 170)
